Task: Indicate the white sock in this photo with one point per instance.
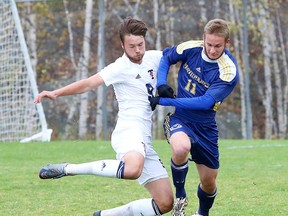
(135, 208)
(107, 168)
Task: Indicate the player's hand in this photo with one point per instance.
(165, 91)
(153, 102)
(45, 94)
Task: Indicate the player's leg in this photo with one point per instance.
(160, 203)
(205, 154)
(128, 144)
(207, 189)
(156, 180)
(130, 167)
(180, 144)
(176, 136)
(145, 207)
(161, 192)
(108, 168)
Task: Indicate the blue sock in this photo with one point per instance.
(205, 201)
(179, 173)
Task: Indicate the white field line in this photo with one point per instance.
(257, 146)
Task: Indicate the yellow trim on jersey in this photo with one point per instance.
(188, 45)
(227, 68)
(167, 126)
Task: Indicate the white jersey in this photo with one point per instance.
(133, 84)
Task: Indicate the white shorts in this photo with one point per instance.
(153, 168)
(132, 135)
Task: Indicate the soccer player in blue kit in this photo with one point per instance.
(207, 75)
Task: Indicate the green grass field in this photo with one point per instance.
(253, 179)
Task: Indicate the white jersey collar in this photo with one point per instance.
(205, 57)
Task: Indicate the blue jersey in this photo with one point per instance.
(201, 81)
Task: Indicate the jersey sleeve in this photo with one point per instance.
(221, 89)
(228, 78)
(204, 102)
(162, 71)
(112, 73)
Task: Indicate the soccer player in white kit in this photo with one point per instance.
(133, 77)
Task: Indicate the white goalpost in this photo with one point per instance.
(20, 119)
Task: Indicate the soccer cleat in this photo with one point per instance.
(53, 171)
(179, 206)
(97, 213)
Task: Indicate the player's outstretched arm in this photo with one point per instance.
(78, 87)
(204, 102)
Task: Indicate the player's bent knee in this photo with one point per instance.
(181, 150)
(166, 207)
(134, 164)
(132, 172)
(134, 175)
(165, 204)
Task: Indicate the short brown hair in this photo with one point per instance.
(218, 27)
(132, 26)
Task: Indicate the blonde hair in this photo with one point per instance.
(218, 27)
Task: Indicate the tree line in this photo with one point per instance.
(71, 39)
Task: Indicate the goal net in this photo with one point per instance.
(20, 119)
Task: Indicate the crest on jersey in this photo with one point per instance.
(151, 73)
(175, 126)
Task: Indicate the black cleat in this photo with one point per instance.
(53, 171)
(97, 213)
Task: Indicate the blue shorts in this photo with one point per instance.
(204, 139)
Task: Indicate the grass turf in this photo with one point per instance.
(252, 179)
